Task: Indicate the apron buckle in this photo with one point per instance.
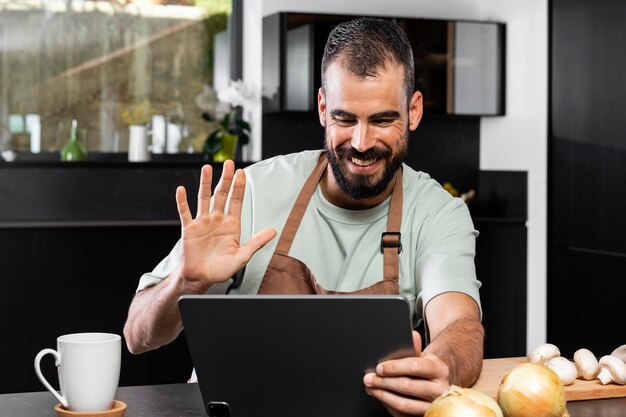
(390, 240)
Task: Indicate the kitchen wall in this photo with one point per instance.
(517, 141)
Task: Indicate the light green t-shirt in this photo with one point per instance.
(342, 247)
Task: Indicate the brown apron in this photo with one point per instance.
(287, 275)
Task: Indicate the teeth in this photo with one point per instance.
(363, 162)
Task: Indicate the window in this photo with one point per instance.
(109, 64)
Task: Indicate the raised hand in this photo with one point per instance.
(210, 248)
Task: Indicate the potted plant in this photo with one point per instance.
(225, 109)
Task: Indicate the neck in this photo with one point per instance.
(334, 195)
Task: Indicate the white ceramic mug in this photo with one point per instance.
(89, 370)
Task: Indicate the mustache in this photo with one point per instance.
(373, 153)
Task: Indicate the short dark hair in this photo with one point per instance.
(366, 45)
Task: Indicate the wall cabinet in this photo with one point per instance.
(459, 65)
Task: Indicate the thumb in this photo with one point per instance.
(417, 343)
(255, 243)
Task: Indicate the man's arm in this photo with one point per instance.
(453, 319)
(153, 317)
(210, 252)
(406, 387)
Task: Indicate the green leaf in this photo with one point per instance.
(244, 138)
(213, 143)
(244, 125)
(241, 127)
(226, 121)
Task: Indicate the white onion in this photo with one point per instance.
(532, 389)
(466, 402)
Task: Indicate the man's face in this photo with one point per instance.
(367, 122)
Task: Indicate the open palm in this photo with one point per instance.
(210, 248)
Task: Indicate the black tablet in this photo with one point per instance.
(280, 356)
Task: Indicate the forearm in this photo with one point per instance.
(153, 317)
(460, 346)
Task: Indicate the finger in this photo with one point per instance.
(235, 197)
(223, 187)
(204, 191)
(399, 405)
(255, 243)
(182, 206)
(417, 343)
(413, 387)
(422, 367)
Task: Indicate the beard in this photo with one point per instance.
(357, 186)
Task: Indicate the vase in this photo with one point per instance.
(138, 143)
(74, 149)
(228, 149)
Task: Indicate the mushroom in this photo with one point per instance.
(586, 364)
(565, 369)
(620, 352)
(613, 369)
(543, 353)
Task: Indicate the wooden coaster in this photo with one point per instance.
(118, 410)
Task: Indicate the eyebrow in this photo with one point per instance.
(387, 114)
(342, 113)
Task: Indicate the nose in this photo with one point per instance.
(362, 138)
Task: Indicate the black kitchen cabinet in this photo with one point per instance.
(61, 280)
(587, 171)
(74, 240)
(500, 213)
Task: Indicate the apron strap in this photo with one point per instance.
(390, 243)
(299, 208)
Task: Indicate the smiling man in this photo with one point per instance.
(367, 124)
(330, 210)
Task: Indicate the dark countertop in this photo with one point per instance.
(50, 193)
(178, 400)
(143, 401)
(94, 158)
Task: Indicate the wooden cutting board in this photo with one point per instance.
(495, 369)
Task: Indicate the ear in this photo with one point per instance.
(321, 106)
(416, 110)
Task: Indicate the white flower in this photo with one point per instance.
(236, 94)
(221, 109)
(207, 100)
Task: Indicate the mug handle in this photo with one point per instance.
(57, 362)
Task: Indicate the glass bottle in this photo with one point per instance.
(73, 150)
